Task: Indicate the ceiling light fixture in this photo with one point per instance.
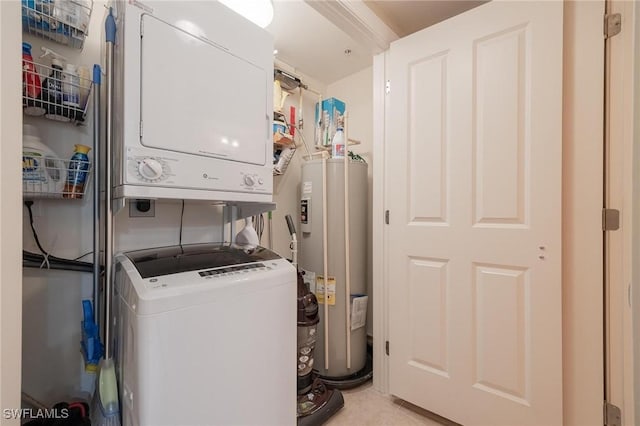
(260, 12)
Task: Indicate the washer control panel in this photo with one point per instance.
(233, 270)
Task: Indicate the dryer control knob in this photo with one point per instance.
(150, 169)
(249, 180)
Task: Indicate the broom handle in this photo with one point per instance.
(108, 208)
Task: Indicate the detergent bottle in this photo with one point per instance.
(42, 171)
(77, 173)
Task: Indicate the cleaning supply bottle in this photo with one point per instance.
(84, 81)
(52, 86)
(337, 143)
(77, 172)
(31, 86)
(42, 170)
(71, 87)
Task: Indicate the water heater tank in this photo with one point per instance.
(311, 258)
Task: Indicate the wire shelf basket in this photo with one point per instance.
(63, 21)
(281, 159)
(51, 177)
(56, 94)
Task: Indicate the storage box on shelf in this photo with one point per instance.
(62, 21)
(56, 94)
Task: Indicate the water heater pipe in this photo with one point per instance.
(325, 260)
(347, 240)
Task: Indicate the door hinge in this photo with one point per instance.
(386, 217)
(612, 24)
(141, 28)
(386, 347)
(610, 219)
(612, 415)
(387, 87)
(140, 129)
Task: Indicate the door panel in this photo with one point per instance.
(500, 133)
(427, 109)
(428, 280)
(474, 189)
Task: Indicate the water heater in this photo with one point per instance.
(311, 260)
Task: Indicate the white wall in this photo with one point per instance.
(356, 91)
(10, 199)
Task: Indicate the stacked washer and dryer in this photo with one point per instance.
(189, 112)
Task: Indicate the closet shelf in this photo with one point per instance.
(282, 139)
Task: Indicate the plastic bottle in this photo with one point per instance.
(42, 170)
(52, 87)
(31, 86)
(337, 143)
(77, 173)
(85, 85)
(70, 90)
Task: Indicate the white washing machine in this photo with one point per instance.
(205, 335)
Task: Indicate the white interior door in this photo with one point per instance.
(474, 156)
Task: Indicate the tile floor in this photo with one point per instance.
(364, 406)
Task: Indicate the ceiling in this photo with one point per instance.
(312, 35)
(407, 17)
(313, 45)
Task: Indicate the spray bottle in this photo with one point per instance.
(52, 86)
(31, 87)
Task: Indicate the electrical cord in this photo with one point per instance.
(35, 260)
(181, 220)
(29, 203)
(84, 255)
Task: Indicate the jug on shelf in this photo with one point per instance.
(279, 96)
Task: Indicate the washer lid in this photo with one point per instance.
(193, 257)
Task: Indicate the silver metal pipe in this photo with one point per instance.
(347, 240)
(325, 262)
(108, 208)
(96, 203)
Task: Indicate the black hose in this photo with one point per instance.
(58, 266)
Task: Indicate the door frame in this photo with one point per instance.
(583, 110)
(10, 210)
(622, 113)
